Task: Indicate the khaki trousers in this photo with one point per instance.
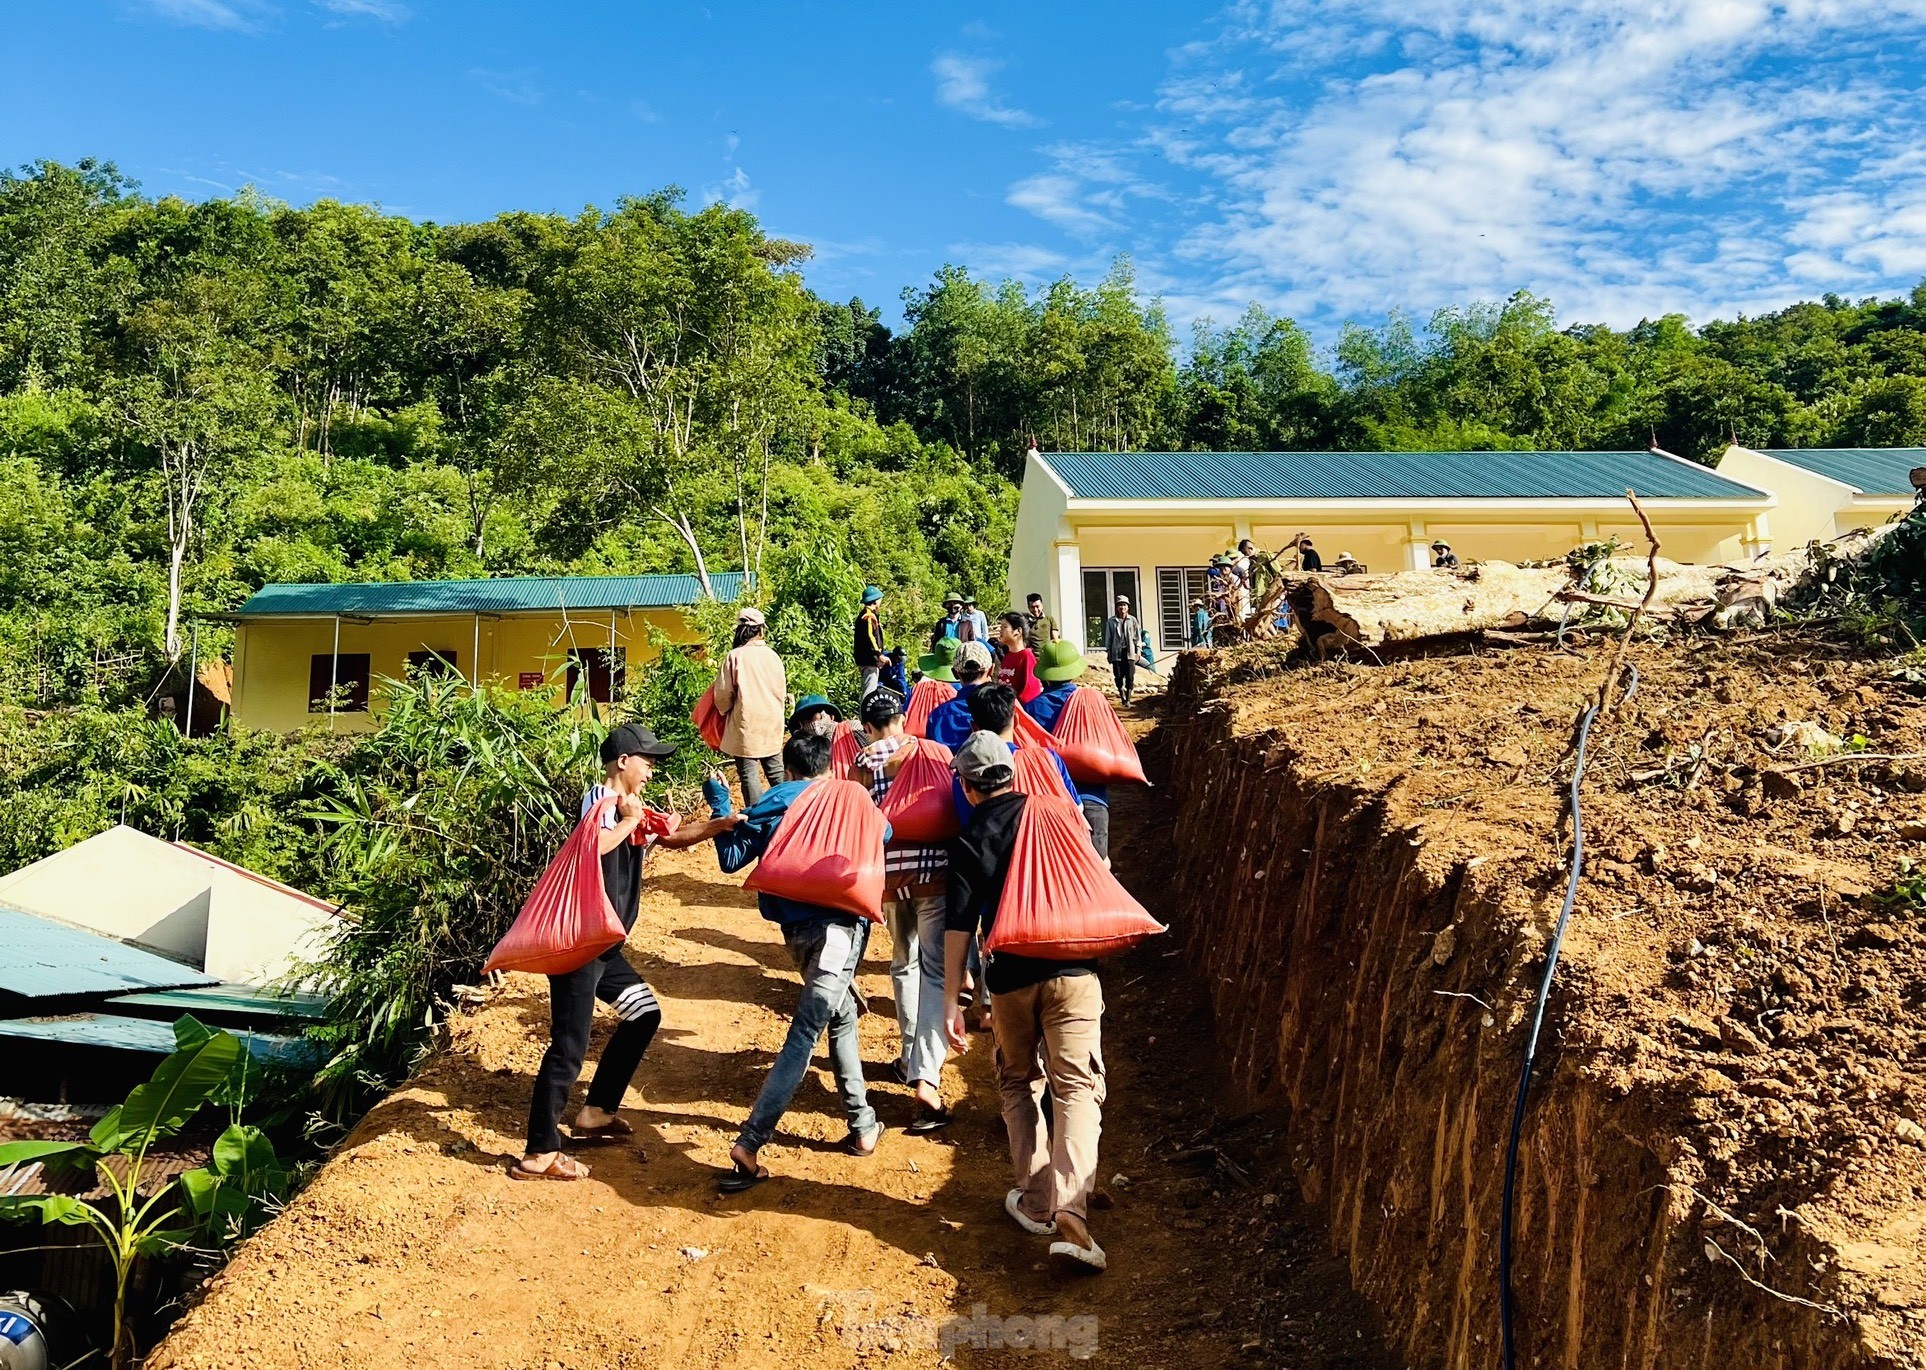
(1051, 1032)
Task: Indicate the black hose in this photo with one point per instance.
(1585, 722)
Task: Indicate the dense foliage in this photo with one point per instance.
(196, 398)
(199, 397)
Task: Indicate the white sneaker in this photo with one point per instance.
(1013, 1205)
(1088, 1258)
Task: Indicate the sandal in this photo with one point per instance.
(607, 1132)
(930, 1120)
(739, 1181)
(853, 1145)
(560, 1167)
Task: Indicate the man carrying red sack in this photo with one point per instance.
(1046, 1007)
(629, 754)
(1060, 666)
(827, 945)
(915, 875)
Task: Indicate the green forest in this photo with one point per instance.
(197, 398)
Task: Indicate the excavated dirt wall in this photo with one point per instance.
(1370, 867)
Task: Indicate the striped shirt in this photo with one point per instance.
(910, 869)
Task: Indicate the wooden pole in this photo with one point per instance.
(193, 666)
(334, 671)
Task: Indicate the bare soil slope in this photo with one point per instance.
(412, 1247)
(1723, 1163)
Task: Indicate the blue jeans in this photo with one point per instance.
(916, 935)
(827, 952)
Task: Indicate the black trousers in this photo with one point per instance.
(571, 1007)
(1125, 672)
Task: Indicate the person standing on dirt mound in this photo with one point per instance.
(629, 754)
(827, 945)
(751, 691)
(1046, 1015)
(1123, 644)
(915, 874)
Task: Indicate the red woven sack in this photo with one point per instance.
(843, 747)
(921, 803)
(1059, 903)
(708, 719)
(1030, 733)
(828, 850)
(1092, 742)
(925, 695)
(1037, 774)
(568, 920)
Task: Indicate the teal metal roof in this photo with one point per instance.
(42, 959)
(228, 999)
(502, 595)
(1869, 470)
(1387, 475)
(143, 1034)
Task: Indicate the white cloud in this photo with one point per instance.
(516, 87)
(238, 15)
(1021, 261)
(1087, 192)
(1624, 159)
(387, 11)
(963, 84)
(734, 190)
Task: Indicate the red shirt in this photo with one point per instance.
(1018, 670)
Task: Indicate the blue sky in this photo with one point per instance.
(1328, 158)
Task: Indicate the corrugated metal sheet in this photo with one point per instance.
(1869, 470)
(42, 959)
(1387, 475)
(503, 595)
(150, 1035)
(227, 998)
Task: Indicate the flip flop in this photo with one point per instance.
(607, 1132)
(739, 1181)
(852, 1144)
(930, 1120)
(563, 1167)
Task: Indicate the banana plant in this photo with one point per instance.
(128, 1223)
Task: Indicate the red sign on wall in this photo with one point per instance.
(531, 680)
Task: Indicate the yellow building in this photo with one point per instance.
(1827, 492)
(312, 653)
(1093, 525)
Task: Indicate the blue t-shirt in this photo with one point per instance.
(950, 721)
(747, 841)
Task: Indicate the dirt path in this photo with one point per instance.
(412, 1247)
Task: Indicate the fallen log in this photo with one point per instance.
(1373, 612)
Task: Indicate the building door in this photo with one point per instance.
(602, 671)
(1101, 586)
(1177, 586)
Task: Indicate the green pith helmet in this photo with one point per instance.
(1059, 661)
(809, 704)
(937, 664)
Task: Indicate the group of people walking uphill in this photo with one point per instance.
(940, 905)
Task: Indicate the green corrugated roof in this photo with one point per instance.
(501, 595)
(249, 1000)
(1869, 470)
(42, 959)
(146, 1035)
(1387, 475)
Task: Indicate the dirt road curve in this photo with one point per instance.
(412, 1248)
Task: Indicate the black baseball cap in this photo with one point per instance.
(632, 739)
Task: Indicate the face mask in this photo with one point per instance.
(822, 725)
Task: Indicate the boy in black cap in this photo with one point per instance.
(629, 754)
